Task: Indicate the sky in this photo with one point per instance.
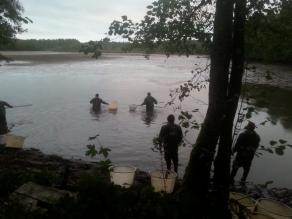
(83, 20)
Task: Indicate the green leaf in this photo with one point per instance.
(91, 151)
(282, 141)
(185, 124)
(104, 151)
(273, 142)
(279, 151)
(270, 150)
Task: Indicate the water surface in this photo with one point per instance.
(60, 120)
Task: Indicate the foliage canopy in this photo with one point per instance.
(11, 20)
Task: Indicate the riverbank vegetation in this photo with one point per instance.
(92, 193)
(268, 37)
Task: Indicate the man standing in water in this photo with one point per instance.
(149, 101)
(3, 123)
(246, 146)
(96, 103)
(170, 137)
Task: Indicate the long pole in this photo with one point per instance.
(27, 105)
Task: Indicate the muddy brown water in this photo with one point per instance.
(60, 120)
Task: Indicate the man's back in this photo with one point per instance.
(171, 134)
(96, 103)
(149, 101)
(247, 144)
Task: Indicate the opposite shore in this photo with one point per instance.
(274, 75)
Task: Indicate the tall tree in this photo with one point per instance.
(175, 24)
(11, 20)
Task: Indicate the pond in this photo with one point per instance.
(60, 119)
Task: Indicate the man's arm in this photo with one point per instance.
(155, 101)
(258, 141)
(161, 135)
(91, 101)
(8, 105)
(104, 102)
(144, 102)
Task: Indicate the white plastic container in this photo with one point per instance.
(163, 181)
(113, 106)
(14, 141)
(122, 175)
(132, 107)
(243, 199)
(273, 208)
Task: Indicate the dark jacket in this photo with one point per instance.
(96, 103)
(2, 107)
(171, 136)
(246, 145)
(149, 101)
(3, 122)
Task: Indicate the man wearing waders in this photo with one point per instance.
(96, 103)
(149, 101)
(170, 137)
(246, 146)
(3, 123)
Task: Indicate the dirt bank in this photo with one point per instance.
(65, 174)
(53, 170)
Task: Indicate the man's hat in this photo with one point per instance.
(250, 126)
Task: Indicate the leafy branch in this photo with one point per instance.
(276, 147)
(102, 152)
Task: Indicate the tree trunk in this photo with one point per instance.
(197, 175)
(222, 162)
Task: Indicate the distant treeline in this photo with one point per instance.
(73, 45)
(60, 45)
(269, 36)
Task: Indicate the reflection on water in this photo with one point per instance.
(277, 102)
(148, 117)
(60, 120)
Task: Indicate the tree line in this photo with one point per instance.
(73, 45)
(269, 34)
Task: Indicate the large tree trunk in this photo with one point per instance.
(222, 162)
(197, 175)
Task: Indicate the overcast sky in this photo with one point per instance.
(77, 19)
